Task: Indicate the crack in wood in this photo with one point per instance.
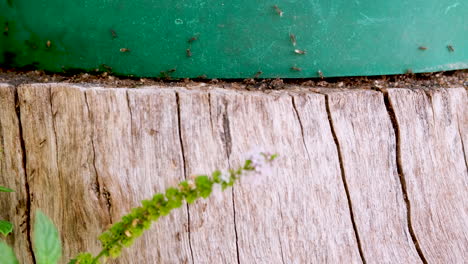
(54, 131)
(226, 135)
(209, 109)
(104, 193)
(429, 97)
(179, 127)
(24, 163)
(131, 114)
(2, 141)
(296, 112)
(460, 134)
(343, 178)
(396, 129)
(235, 225)
(462, 143)
(226, 138)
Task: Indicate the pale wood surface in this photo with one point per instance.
(299, 214)
(431, 126)
(368, 150)
(335, 196)
(14, 207)
(212, 225)
(77, 179)
(137, 144)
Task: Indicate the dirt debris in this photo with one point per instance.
(446, 79)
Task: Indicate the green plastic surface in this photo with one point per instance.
(236, 38)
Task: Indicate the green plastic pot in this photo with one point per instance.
(235, 39)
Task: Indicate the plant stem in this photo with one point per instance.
(99, 256)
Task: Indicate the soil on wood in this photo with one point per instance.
(447, 79)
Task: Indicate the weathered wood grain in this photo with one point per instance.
(59, 161)
(431, 127)
(335, 196)
(14, 207)
(330, 211)
(212, 230)
(367, 146)
(82, 207)
(140, 129)
(299, 213)
(45, 184)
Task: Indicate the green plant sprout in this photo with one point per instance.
(47, 246)
(5, 226)
(6, 253)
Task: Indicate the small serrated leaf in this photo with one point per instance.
(5, 189)
(46, 241)
(7, 255)
(5, 227)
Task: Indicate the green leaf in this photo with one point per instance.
(191, 196)
(216, 176)
(7, 256)
(174, 198)
(83, 258)
(204, 185)
(5, 189)
(5, 227)
(115, 251)
(46, 241)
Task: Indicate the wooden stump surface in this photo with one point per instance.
(363, 176)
